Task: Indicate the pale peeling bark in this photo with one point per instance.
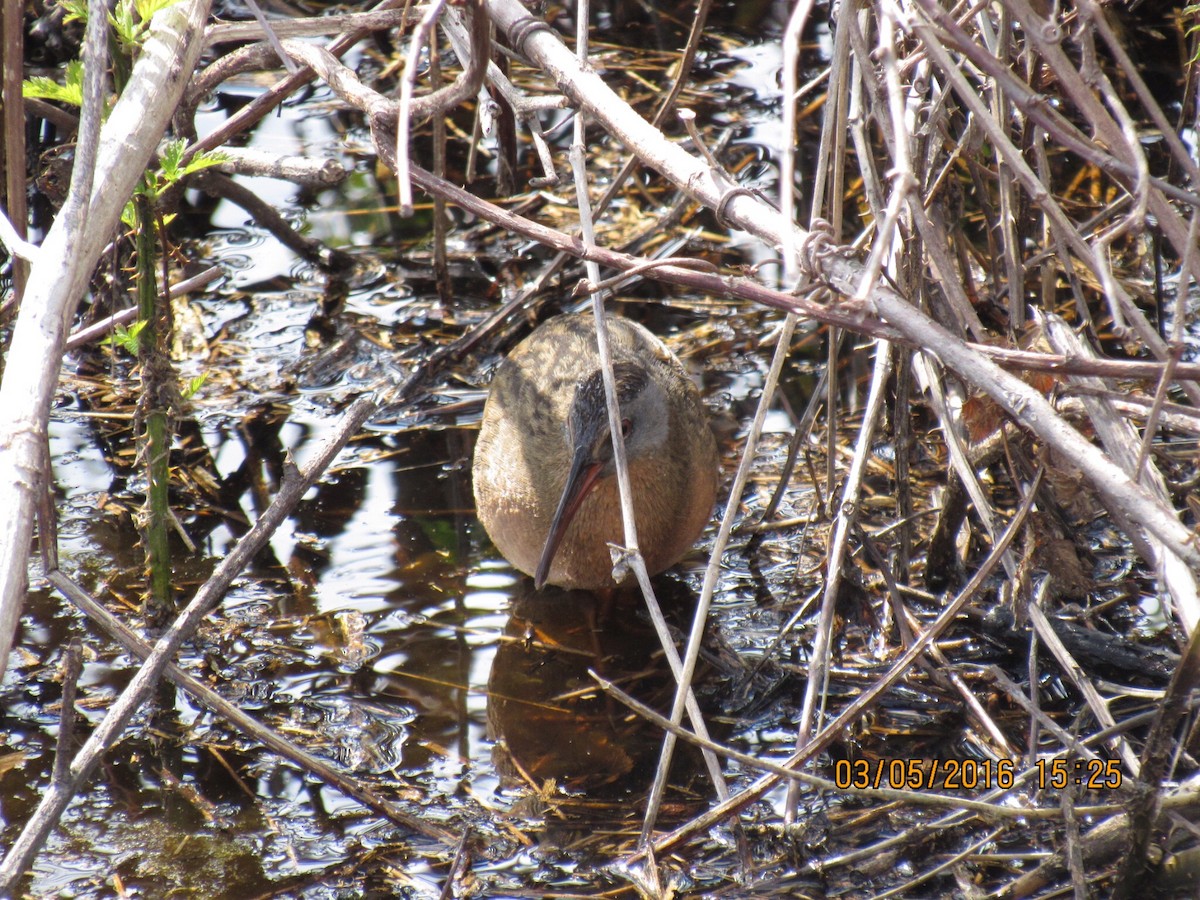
(60, 276)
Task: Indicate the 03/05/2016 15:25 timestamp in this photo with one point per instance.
(974, 774)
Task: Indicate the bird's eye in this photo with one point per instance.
(626, 427)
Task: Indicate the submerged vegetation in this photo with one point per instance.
(933, 267)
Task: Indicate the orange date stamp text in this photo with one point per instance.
(974, 774)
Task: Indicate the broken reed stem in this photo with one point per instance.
(423, 34)
(844, 521)
(72, 665)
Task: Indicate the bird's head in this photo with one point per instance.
(644, 426)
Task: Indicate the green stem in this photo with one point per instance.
(155, 409)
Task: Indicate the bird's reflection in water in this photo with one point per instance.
(550, 720)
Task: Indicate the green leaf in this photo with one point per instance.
(131, 19)
(76, 10)
(147, 8)
(204, 161)
(127, 339)
(70, 91)
(125, 25)
(172, 169)
(194, 385)
(170, 160)
(129, 216)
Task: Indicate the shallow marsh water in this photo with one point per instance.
(379, 628)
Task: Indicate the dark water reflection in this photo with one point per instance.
(550, 721)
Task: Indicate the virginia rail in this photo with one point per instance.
(545, 480)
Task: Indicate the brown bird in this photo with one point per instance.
(545, 480)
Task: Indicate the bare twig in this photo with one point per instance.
(241, 32)
(268, 217)
(466, 85)
(72, 665)
(124, 317)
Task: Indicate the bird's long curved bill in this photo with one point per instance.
(580, 481)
